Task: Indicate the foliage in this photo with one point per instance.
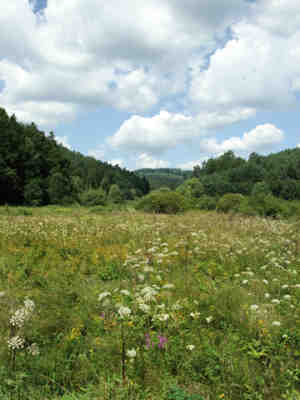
(164, 177)
(115, 194)
(206, 203)
(93, 197)
(191, 188)
(35, 170)
(165, 202)
(230, 202)
(278, 174)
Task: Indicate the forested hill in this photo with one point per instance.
(164, 177)
(35, 170)
(277, 173)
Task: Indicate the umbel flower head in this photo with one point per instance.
(20, 316)
(124, 312)
(16, 343)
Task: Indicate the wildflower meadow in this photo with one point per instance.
(128, 305)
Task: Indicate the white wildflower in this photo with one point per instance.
(103, 295)
(195, 315)
(163, 317)
(190, 347)
(275, 301)
(297, 285)
(284, 286)
(29, 305)
(2, 294)
(125, 292)
(16, 343)
(265, 282)
(144, 307)
(276, 323)
(287, 297)
(267, 295)
(124, 311)
(141, 277)
(131, 353)
(148, 293)
(209, 319)
(245, 281)
(254, 307)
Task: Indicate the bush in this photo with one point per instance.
(163, 202)
(206, 203)
(93, 197)
(230, 202)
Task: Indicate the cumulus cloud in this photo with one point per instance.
(145, 160)
(257, 67)
(214, 63)
(191, 164)
(261, 138)
(64, 140)
(166, 130)
(105, 53)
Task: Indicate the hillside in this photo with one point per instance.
(36, 170)
(164, 177)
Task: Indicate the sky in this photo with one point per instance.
(155, 83)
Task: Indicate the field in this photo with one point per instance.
(126, 305)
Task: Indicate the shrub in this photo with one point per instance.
(163, 202)
(206, 203)
(92, 197)
(230, 202)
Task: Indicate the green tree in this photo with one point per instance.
(115, 195)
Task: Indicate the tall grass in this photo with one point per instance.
(134, 306)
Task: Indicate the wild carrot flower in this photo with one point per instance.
(103, 295)
(125, 292)
(190, 347)
(209, 319)
(276, 323)
(124, 312)
(163, 317)
(16, 343)
(131, 353)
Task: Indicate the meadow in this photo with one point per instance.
(128, 305)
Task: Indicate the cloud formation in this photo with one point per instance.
(205, 66)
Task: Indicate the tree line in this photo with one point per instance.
(278, 174)
(36, 170)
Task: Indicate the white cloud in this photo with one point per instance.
(261, 138)
(191, 164)
(64, 140)
(145, 160)
(118, 162)
(258, 67)
(84, 53)
(166, 130)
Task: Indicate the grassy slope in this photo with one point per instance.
(226, 271)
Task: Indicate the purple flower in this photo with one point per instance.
(148, 341)
(162, 341)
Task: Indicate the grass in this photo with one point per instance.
(213, 305)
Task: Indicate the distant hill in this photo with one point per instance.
(164, 177)
(36, 170)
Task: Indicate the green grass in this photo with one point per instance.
(220, 318)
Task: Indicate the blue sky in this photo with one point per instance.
(161, 83)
